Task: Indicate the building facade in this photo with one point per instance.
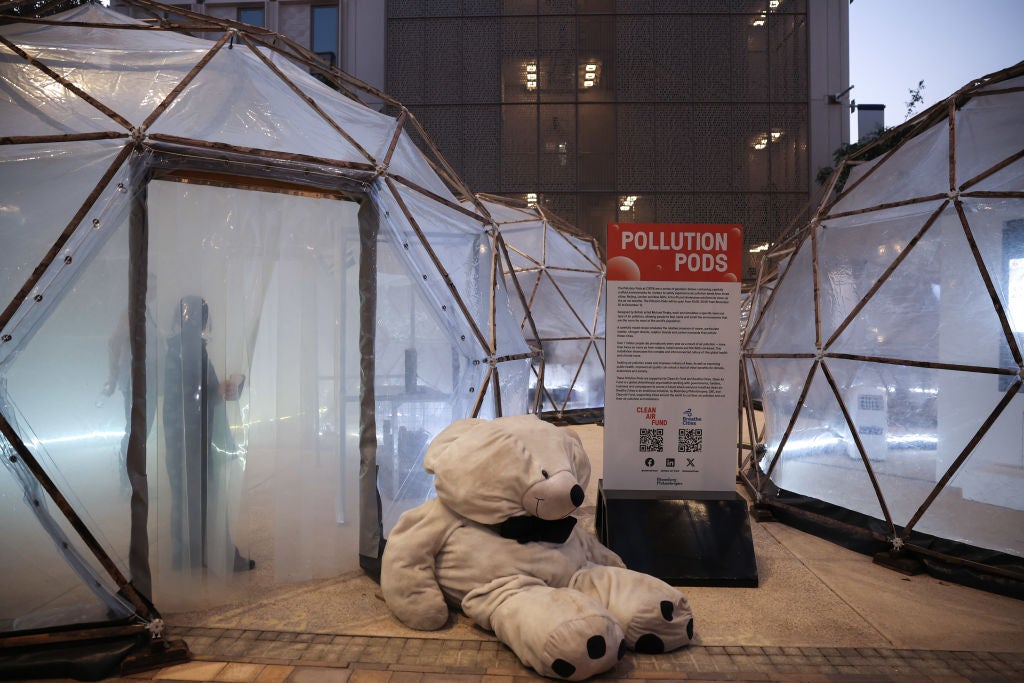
(669, 111)
(631, 110)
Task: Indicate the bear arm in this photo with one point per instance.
(407, 577)
(597, 552)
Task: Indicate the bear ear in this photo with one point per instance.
(580, 461)
(443, 442)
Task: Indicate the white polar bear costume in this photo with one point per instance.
(499, 542)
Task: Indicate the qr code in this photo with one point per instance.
(691, 440)
(652, 440)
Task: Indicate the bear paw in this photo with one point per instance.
(670, 628)
(597, 648)
(581, 648)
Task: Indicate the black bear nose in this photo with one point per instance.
(576, 495)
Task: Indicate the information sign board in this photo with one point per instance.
(672, 358)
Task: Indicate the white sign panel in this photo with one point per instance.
(672, 357)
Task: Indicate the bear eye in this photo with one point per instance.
(545, 473)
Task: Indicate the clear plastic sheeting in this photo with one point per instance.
(561, 279)
(991, 131)
(274, 120)
(885, 336)
(236, 303)
(787, 327)
(49, 572)
(54, 393)
(30, 227)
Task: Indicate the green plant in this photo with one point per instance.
(884, 138)
(916, 98)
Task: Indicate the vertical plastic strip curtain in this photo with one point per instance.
(884, 342)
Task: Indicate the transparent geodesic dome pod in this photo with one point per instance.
(417, 373)
(911, 417)
(443, 276)
(561, 277)
(352, 307)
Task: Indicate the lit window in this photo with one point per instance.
(589, 73)
(532, 76)
(761, 140)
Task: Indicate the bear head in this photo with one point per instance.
(510, 471)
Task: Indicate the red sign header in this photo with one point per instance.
(669, 252)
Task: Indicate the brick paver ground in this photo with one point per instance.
(244, 656)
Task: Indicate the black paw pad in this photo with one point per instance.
(622, 648)
(596, 647)
(563, 668)
(649, 644)
(666, 610)
(689, 629)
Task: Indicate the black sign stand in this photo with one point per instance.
(683, 540)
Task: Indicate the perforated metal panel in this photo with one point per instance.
(519, 6)
(788, 40)
(442, 8)
(481, 149)
(443, 61)
(444, 125)
(674, 158)
(488, 8)
(557, 6)
(481, 60)
(406, 77)
(635, 146)
(405, 8)
(634, 57)
(789, 162)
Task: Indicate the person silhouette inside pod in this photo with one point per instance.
(200, 446)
